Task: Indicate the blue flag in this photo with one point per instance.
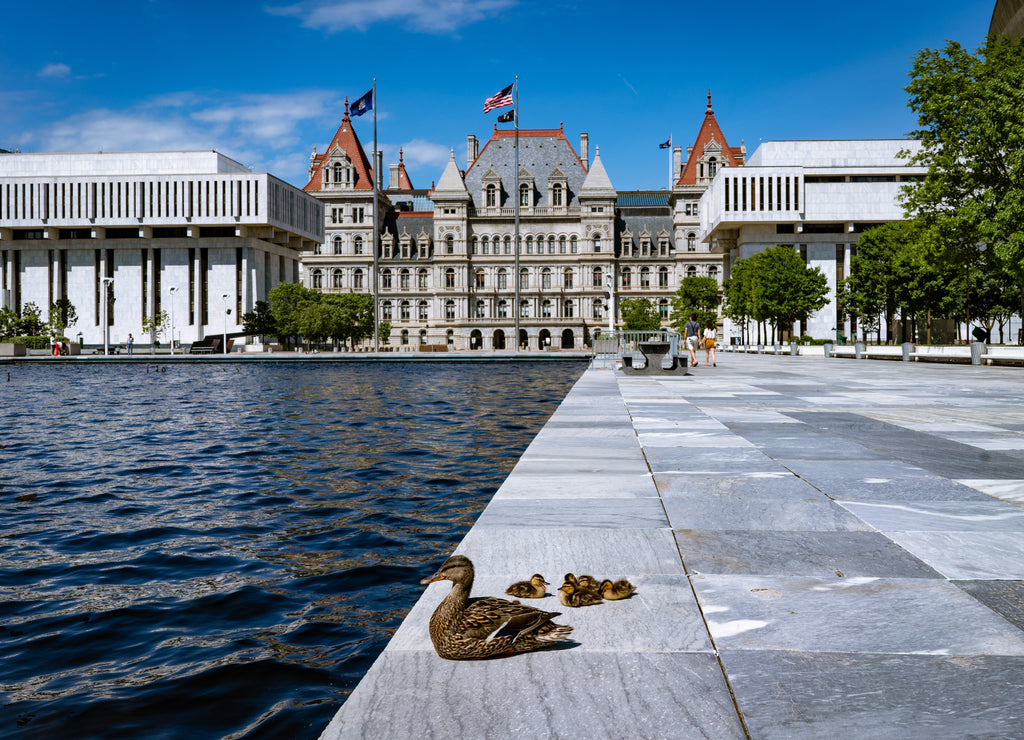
(362, 105)
(666, 145)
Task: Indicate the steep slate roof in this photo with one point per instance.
(541, 152)
(404, 183)
(709, 131)
(643, 209)
(346, 138)
(451, 184)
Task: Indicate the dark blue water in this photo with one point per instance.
(223, 550)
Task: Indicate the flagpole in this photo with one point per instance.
(671, 173)
(515, 240)
(376, 233)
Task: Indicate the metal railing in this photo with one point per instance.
(617, 343)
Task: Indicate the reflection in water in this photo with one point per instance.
(221, 550)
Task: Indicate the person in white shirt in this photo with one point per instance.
(710, 334)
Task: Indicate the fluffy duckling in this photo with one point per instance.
(531, 589)
(622, 589)
(589, 583)
(468, 628)
(570, 595)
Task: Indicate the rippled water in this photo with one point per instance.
(223, 550)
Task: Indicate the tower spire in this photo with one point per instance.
(709, 100)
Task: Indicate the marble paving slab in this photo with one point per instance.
(941, 516)
(709, 460)
(818, 554)
(1007, 490)
(783, 485)
(800, 695)
(539, 485)
(502, 552)
(559, 694)
(595, 513)
(861, 615)
(967, 555)
(717, 512)
(1005, 598)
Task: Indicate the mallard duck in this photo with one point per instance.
(531, 589)
(589, 583)
(465, 628)
(570, 595)
(618, 590)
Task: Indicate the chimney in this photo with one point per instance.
(378, 170)
(471, 150)
(677, 163)
(393, 177)
(585, 150)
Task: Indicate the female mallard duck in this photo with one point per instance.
(618, 590)
(485, 627)
(531, 589)
(570, 595)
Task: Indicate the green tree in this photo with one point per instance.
(786, 290)
(697, 295)
(259, 321)
(62, 315)
(9, 321)
(970, 109)
(155, 326)
(640, 314)
(286, 300)
(30, 322)
(738, 291)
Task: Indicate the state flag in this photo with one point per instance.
(667, 144)
(363, 105)
(500, 99)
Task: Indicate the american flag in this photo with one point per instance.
(499, 100)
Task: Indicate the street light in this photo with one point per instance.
(107, 282)
(173, 290)
(226, 312)
(609, 284)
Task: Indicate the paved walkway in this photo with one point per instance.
(822, 548)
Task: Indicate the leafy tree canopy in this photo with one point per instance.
(696, 295)
(640, 314)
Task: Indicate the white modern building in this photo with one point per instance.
(818, 197)
(191, 233)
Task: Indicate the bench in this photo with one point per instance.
(207, 346)
(945, 353)
(1008, 355)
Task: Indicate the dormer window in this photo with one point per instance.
(492, 196)
(556, 194)
(524, 195)
(712, 167)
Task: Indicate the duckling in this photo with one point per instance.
(589, 583)
(619, 590)
(465, 628)
(569, 595)
(531, 589)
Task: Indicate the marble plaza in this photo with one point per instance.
(821, 548)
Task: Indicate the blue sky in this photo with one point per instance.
(265, 83)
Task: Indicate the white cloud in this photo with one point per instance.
(55, 70)
(419, 153)
(426, 16)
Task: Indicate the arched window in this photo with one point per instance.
(712, 167)
(338, 172)
(385, 310)
(335, 278)
(502, 279)
(567, 278)
(403, 310)
(598, 309)
(556, 194)
(691, 242)
(627, 278)
(385, 279)
(449, 310)
(574, 246)
(662, 277)
(597, 242)
(598, 280)
(545, 309)
(503, 309)
(486, 245)
(713, 272)
(508, 245)
(357, 245)
(663, 308)
(481, 309)
(422, 312)
(524, 309)
(357, 279)
(449, 244)
(423, 336)
(337, 245)
(691, 271)
(492, 196)
(318, 279)
(478, 278)
(561, 245)
(524, 195)
(421, 279)
(449, 278)
(529, 245)
(476, 246)
(545, 278)
(645, 277)
(567, 309)
(551, 244)
(403, 278)
(524, 278)
(405, 336)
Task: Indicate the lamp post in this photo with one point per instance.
(107, 282)
(609, 283)
(173, 290)
(226, 312)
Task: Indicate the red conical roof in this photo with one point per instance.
(345, 137)
(709, 131)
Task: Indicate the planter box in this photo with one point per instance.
(10, 349)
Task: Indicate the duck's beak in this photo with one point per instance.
(431, 579)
